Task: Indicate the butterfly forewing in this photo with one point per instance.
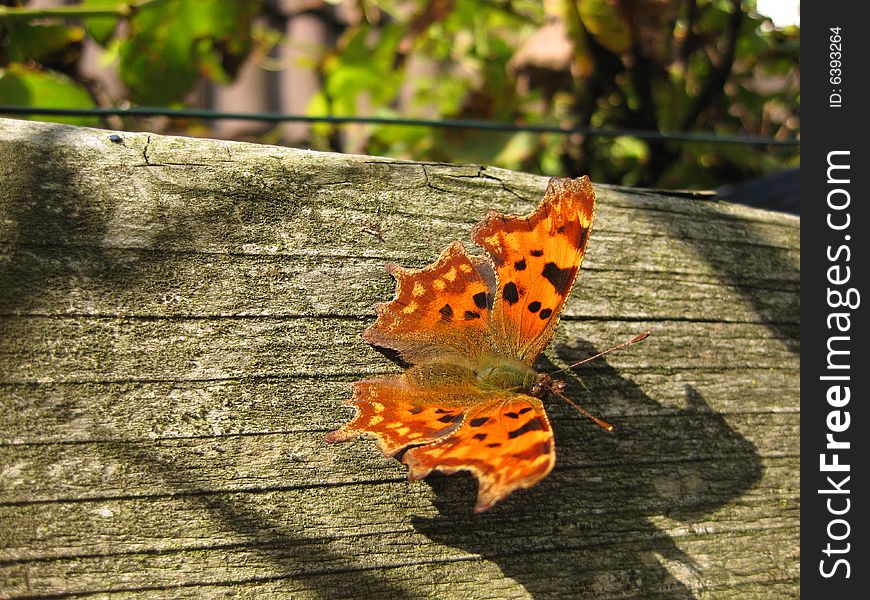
(536, 259)
(440, 309)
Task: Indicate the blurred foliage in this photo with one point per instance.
(668, 65)
(169, 44)
(22, 86)
(696, 65)
(162, 47)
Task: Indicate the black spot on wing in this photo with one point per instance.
(470, 316)
(415, 410)
(493, 445)
(520, 265)
(534, 306)
(451, 418)
(560, 278)
(535, 424)
(446, 312)
(584, 234)
(510, 293)
(537, 253)
(535, 451)
(478, 422)
(480, 299)
(545, 314)
(479, 436)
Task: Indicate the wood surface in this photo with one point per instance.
(179, 322)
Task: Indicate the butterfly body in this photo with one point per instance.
(505, 373)
(472, 327)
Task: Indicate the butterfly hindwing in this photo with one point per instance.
(398, 413)
(506, 442)
(447, 423)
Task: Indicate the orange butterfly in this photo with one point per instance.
(472, 327)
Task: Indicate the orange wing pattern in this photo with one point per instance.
(505, 441)
(503, 438)
(398, 413)
(442, 308)
(454, 321)
(536, 260)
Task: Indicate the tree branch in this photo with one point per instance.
(719, 76)
(121, 9)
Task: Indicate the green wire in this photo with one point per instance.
(440, 123)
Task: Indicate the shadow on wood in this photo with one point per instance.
(616, 481)
(181, 320)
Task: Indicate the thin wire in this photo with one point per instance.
(198, 113)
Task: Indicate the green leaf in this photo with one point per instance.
(627, 148)
(37, 41)
(362, 68)
(603, 21)
(22, 86)
(172, 43)
(101, 28)
(515, 153)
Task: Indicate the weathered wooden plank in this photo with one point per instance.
(64, 412)
(194, 517)
(45, 472)
(642, 564)
(137, 282)
(134, 349)
(347, 566)
(180, 321)
(181, 519)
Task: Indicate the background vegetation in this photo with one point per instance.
(713, 66)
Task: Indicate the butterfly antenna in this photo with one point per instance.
(634, 340)
(600, 422)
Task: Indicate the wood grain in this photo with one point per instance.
(180, 322)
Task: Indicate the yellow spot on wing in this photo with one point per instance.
(439, 285)
(412, 306)
(393, 425)
(403, 430)
(378, 406)
(418, 290)
(514, 242)
(451, 274)
(492, 240)
(465, 268)
(375, 420)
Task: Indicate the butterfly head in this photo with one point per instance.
(545, 386)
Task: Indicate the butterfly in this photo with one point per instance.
(471, 328)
